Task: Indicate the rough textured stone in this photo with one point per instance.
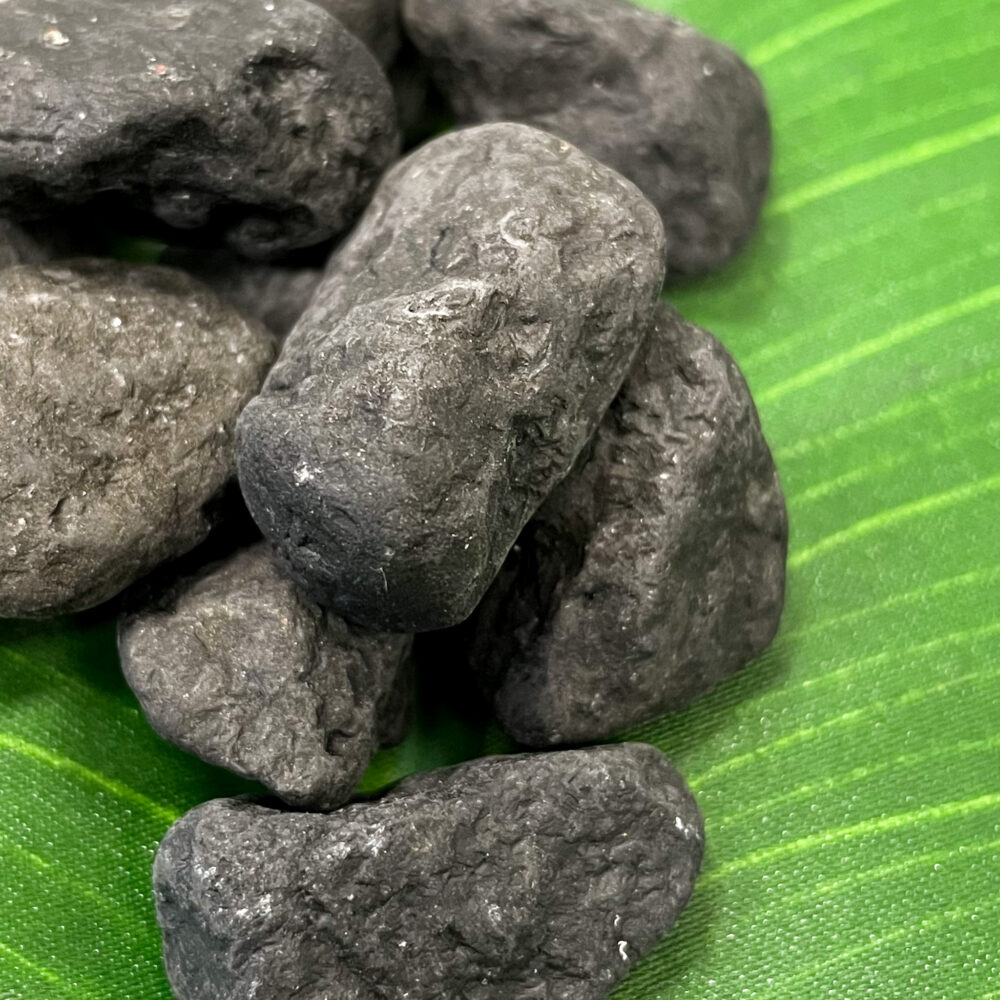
(269, 125)
(509, 878)
(679, 114)
(16, 246)
(463, 346)
(238, 667)
(375, 22)
(273, 294)
(119, 391)
(655, 570)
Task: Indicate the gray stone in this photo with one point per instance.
(463, 346)
(119, 392)
(655, 570)
(508, 878)
(274, 294)
(271, 126)
(681, 115)
(16, 246)
(237, 666)
(375, 22)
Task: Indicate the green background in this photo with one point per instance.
(850, 780)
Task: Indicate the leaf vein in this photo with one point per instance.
(884, 824)
(982, 575)
(925, 149)
(927, 923)
(120, 790)
(905, 407)
(807, 733)
(857, 878)
(875, 345)
(894, 516)
(862, 773)
(814, 27)
(40, 970)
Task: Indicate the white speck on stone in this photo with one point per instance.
(509, 237)
(303, 474)
(376, 841)
(43, 298)
(622, 945)
(116, 322)
(177, 16)
(687, 830)
(338, 852)
(53, 38)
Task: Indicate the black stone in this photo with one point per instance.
(509, 878)
(275, 294)
(463, 346)
(655, 570)
(271, 126)
(119, 392)
(679, 114)
(375, 22)
(238, 667)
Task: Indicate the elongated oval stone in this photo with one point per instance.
(238, 667)
(509, 878)
(269, 123)
(119, 392)
(461, 350)
(678, 113)
(655, 570)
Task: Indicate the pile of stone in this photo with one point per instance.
(453, 399)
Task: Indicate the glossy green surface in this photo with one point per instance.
(851, 779)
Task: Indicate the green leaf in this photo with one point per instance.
(849, 779)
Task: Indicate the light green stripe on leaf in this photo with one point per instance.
(42, 755)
